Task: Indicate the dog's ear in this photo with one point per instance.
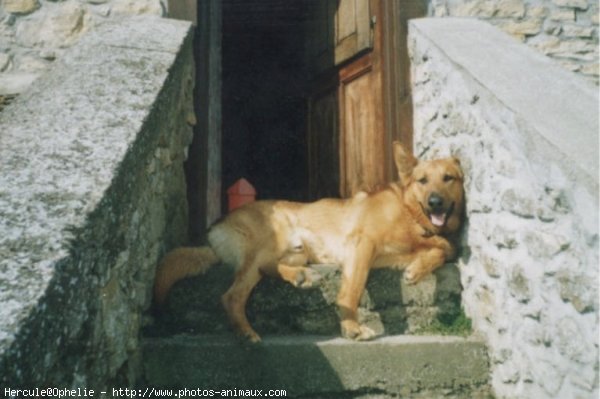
(405, 161)
(460, 171)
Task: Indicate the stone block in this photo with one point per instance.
(537, 11)
(518, 285)
(578, 4)
(20, 6)
(4, 61)
(59, 27)
(562, 14)
(16, 82)
(525, 26)
(136, 7)
(477, 8)
(544, 245)
(592, 69)
(492, 266)
(83, 224)
(571, 341)
(317, 367)
(519, 202)
(571, 30)
(510, 9)
(578, 290)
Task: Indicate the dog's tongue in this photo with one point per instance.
(438, 220)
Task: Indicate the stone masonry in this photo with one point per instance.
(526, 132)
(35, 33)
(92, 194)
(564, 30)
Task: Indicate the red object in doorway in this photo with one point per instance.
(240, 193)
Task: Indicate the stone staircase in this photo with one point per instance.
(191, 347)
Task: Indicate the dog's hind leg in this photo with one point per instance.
(235, 299)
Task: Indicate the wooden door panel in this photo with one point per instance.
(362, 138)
(338, 30)
(352, 29)
(345, 20)
(358, 149)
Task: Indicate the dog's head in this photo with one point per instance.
(433, 190)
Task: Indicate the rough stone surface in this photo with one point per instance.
(59, 26)
(39, 30)
(92, 193)
(566, 30)
(134, 7)
(318, 367)
(526, 132)
(16, 82)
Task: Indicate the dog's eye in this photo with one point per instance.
(422, 180)
(448, 178)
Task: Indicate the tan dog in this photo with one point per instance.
(406, 225)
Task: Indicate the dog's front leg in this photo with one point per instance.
(434, 252)
(425, 262)
(355, 271)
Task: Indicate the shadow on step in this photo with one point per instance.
(388, 306)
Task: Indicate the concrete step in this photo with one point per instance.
(399, 366)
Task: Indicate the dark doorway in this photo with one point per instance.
(264, 98)
(303, 98)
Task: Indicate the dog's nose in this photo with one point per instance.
(435, 202)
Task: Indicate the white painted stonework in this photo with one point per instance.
(526, 132)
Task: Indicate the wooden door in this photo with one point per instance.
(362, 129)
(357, 55)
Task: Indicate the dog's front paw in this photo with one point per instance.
(413, 275)
(307, 278)
(357, 332)
(249, 336)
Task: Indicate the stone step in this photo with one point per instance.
(389, 305)
(319, 366)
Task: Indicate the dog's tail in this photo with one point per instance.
(179, 264)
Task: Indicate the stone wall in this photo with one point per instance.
(92, 193)
(35, 33)
(526, 132)
(565, 30)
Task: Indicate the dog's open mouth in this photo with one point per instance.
(438, 220)
(438, 217)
